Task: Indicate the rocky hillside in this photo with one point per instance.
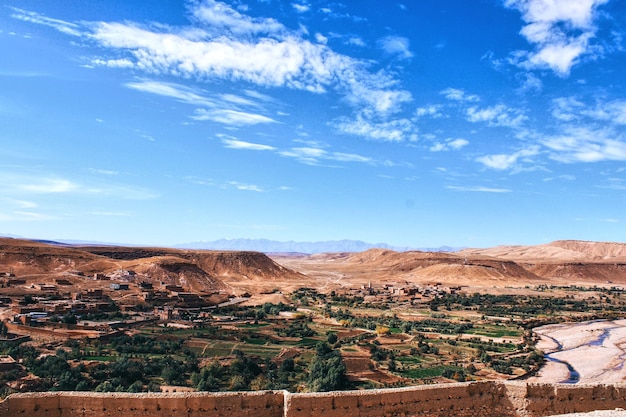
(26, 257)
(557, 263)
(560, 250)
(446, 267)
(195, 270)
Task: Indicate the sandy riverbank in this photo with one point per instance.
(596, 350)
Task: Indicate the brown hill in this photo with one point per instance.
(566, 261)
(557, 263)
(197, 270)
(560, 250)
(253, 268)
(26, 257)
(442, 267)
(386, 266)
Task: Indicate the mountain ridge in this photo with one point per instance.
(328, 246)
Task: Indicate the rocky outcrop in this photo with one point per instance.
(472, 399)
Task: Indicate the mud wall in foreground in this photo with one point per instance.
(475, 399)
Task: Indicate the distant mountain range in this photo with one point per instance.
(273, 246)
(260, 245)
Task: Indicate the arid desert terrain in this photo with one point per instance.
(549, 313)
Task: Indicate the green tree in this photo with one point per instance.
(327, 371)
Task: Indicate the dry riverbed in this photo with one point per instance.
(595, 352)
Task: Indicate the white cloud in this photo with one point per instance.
(349, 157)
(239, 144)
(19, 186)
(113, 63)
(392, 131)
(507, 161)
(49, 186)
(245, 187)
(584, 144)
(231, 117)
(529, 82)
(307, 155)
(560, 30)
(32, 215)
(397, 46)
(62, 26)
(23, 204)
(172, 90)
(356, 41)
(224, 43)
(566, 108)
(433, 111)
(315, 155)
(301, 8)
(611, 111)
(285, 60)
(220, 16)
(569, 109)
(458, 95)
(238, 100)
(449, 144)
(478, 189)
(321, 38)
(498, 115)
(103, 171)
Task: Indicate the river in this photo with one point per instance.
(587, 352)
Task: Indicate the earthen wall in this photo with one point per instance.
(473, 399)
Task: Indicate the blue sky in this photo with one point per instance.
(415, 123)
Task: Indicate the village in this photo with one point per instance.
(30, 308)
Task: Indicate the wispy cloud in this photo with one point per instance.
(23, 204)
(245, 187)
(508, 161)
(231, 117)
(62, 26)
(31, 215)
(224, 108)
(221, 17)
(300, 7)
(396, 46)
(390, 131)
(48, 186)
(226, 44)
(478, 189)
(316, 156)
(613, 111)
(240, 144)
(283, 59)
(107, 172)
(560, 30)
(313, 153)
(566, 108)
(449, 144)
(433, 111)
(458, 95)
(498, 115)
(585, 144)
(24, 186)
(172, 90)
